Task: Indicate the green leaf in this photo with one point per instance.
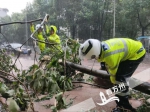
(12, 105)
(52, 63)
(21, 89)
(55, 87)
(19, 100)
(59, 96)
(54, 109)
(3, 88)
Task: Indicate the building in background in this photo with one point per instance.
(3, 12)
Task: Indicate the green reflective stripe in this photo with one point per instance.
(125, 48)
(114, 52)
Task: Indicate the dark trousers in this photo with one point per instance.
(125, 70)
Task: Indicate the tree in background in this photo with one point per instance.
(84, 18)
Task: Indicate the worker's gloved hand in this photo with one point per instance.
(103, 67)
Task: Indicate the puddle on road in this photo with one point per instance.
(24, 62)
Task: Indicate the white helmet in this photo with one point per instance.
(38, 26)
(89, 49)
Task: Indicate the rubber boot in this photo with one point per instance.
(124, 103)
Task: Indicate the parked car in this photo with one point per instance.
(16, 48)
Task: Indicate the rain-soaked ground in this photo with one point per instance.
(88, 96)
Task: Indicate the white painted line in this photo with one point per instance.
(139, 78)
(82, 106)
(143, 76)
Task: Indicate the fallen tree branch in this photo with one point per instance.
(100, 86)
(21, 22)
(26, 89)
(5, 78)
(134, 83)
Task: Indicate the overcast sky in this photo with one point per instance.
(14, 5)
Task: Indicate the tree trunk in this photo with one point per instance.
(143, 29)
(134, 83)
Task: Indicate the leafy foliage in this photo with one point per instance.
(83, 19)
(48, 78)
(143, 98)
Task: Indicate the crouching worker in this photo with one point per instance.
(120, 57)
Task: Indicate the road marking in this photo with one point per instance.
(139, 78)
(82, 106)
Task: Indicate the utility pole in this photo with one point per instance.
(26, 26)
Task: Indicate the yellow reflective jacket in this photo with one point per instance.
(54, 38)
(117, 50)
(40, 37)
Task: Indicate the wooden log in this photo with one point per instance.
(98, 73)
(104, 76)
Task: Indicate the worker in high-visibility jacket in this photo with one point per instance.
(53, 38)
(120, 57)
(39, 35)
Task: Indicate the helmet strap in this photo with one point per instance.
(88, 49)
(100, 50)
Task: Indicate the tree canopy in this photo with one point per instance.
(84, 18)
